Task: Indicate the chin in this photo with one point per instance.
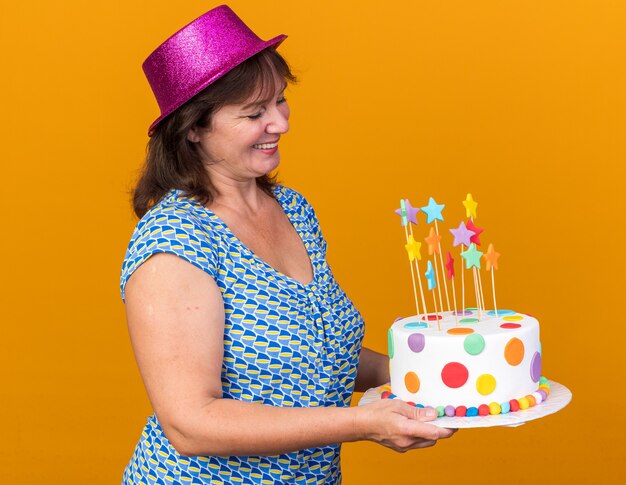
(270, 167)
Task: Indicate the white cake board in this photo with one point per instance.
(560, 396)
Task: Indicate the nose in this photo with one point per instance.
(278, 120)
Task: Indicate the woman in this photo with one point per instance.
(248, 348)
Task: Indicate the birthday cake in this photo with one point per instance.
(465, 366)
(465, 361)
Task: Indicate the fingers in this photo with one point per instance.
(418, 444)
(425, 443)
(447, 432)
(415, 413)
(428, 432)
(423, 414)
(400, 426)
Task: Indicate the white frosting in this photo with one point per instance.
(441, 348)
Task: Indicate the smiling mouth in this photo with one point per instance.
(265, 146)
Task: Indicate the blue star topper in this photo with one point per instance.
(430, 276)
(433, 211)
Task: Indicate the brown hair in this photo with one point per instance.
(173, 162)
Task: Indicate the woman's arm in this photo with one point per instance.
(373, 370)
(176, 322)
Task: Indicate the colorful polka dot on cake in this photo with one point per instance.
(468, 320)
(514, 351)
(485, 384)
(463, 313)
(474, 344)
(500, 313)
(535, 367)
(460, 331)
(417, 341)
(454, 375)
(412, 382)
(431, 317)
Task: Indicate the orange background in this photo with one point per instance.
(520, 103)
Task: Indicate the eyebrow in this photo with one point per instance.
(256, 104)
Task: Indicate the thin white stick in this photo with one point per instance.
(445, 285)
(456, 314)
(462, 280)
(493, 288)
(436, 312)
(438, 284)
(480, 286)
(476, 291)
(419, 280)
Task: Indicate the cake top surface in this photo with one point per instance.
(462, 323)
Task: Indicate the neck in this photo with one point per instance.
(241, 196)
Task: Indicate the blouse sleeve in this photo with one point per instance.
(175, 231)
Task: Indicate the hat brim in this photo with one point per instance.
(275, 42)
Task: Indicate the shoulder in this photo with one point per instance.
(174, 211)
(180, 220)
(175, 225)
(299, 210)
(293, 201)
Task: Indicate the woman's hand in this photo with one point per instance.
(397, 425)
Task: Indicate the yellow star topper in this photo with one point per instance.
(413, 249)
(470, 206)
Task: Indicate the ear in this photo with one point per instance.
(193, 136)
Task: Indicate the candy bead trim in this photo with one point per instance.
(494, 408)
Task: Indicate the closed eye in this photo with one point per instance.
(282, 99)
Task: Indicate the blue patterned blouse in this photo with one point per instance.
(285, 343)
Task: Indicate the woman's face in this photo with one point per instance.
(242, 142)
